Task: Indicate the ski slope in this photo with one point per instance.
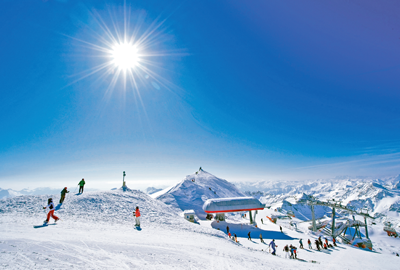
(96, 232)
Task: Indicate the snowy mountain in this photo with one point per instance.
(96, 231)
(151, 190)
(380, 196)
(9, 193)
(195, 189)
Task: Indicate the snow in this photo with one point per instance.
(96, 231)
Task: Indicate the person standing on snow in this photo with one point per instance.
(261, 239)
(227, 229)
(262, 221)
(286, 249)
(301, 243)
(50, 206)
(309, 244)
(235, 237)
(63, 192)
(249, 238)
(81, 185)
(273, 246)
(137, 216)
(334, 241)
(317, 244)
(280, 227)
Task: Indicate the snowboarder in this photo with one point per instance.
(309, 244)
(63, 192)
(81, 185)
(286, 249)
(235, 237)
(261, 239)
(137, 216)
(301, 243)
(51, 207)
(280, 227)
(273, 246)
(249, 238)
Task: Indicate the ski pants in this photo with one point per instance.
(51, 214)
(62, 198)
(287, 254)
(137, 220)
(80, 189)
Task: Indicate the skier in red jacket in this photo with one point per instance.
(137, 216)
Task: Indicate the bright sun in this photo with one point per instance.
(125, 56)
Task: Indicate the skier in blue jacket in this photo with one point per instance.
(273, 246)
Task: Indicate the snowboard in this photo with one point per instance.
(43, 225)
(137, 228)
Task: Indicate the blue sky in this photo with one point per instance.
(249, 91)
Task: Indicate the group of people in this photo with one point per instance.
(318, 243)
(325, 245)
(50, 204)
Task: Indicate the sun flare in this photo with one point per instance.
(125, 56)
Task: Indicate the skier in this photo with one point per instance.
(235, 237)
(227, 229)
(320, 241)
(334, 241)
(51, 207)
(137, 216)
(261, 239)
(229, 235)
(326, 242)
(291, 252)
(301, 243)
(63, 192)
(280, 227)
(262, 221)
(249, 238)
(286, 249)
(295, 252)
(325, 246)
(309, 244)
(81, 185)
(273, 245)
(317, 244)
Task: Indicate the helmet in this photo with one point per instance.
(65, 188)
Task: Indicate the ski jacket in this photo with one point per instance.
(64, 191)
(272, 244)
(137, 213)
(81, 183)
(50, 206)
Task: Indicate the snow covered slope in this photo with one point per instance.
(96, 232)
(195, 189)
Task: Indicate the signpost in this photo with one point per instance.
(123, 179)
